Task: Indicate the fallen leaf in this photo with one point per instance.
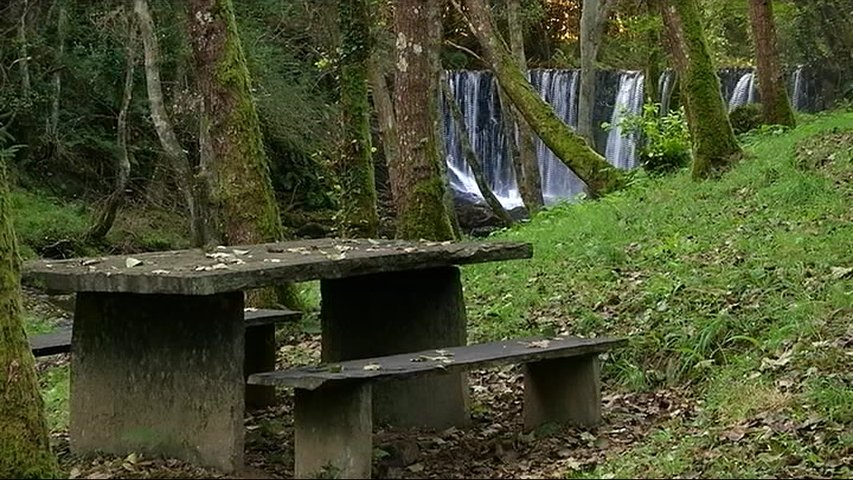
(159, 272)
(538, 344)
(372, 366)
(131, 262)
(240, 252)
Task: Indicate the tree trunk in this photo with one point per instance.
(527, 164)
(416, 183)
(599, 176)
(174, 152)
(384, 108)
(106, 217)
(473, 161)
(357, 175)
(714, 143)
(25, 56)
(53, 126)
(594, 14)
(775, 104)
(24, 447)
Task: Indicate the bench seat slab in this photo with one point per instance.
(334, 428)
(158, 374)
(562, 390)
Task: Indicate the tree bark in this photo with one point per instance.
(526, 163)
(599, 176)
(359, 214)
(775, 105)
(107, 215)
(53, 126)
(160, 118)
(594, 14)
(384, 108)
(24, 447)
(472, 160)
(416, 182)
(25, 56)
(714, 143)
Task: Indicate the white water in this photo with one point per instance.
(621, 146)
(744, 91)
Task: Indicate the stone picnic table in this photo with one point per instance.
(158, 338)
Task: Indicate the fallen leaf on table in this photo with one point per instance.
(131, 262)
(538, 344)
(372, 366)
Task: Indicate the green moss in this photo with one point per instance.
(419, 218)
(714, 143)
(359, 217)
(745, 118)
(24, 447)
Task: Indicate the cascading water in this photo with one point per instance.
(476, 95)
(560, 89)
(621, 146)
(666, 83)
(744, 91)
(798, 89)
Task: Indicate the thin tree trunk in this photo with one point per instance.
(594, 14)
(359, 217)
(776, 107)
(714, 143)
(384, 108)
(24, 446)
(416, 180)
(53, 126)
(162, 124)
(107, 215)
(599, 176)
(527, 163)
(473, 161)
(25, 56)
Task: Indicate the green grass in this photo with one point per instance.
(712, 281)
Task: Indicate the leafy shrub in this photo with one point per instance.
(665, 144)
(745, 118)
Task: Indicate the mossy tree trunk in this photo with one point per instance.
(714, 143)
(599, 176)
(233, 167)
(359, 217)
(526, 162)
(775, 105)
(416, 181)
(24, 448)
(594, 14)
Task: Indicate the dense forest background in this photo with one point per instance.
(62, 83)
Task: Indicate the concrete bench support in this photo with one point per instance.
(159, 375)
(390, 313)
(562, 390)
(334, 429)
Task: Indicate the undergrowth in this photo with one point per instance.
(739, 289)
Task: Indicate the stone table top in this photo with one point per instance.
(235, 268)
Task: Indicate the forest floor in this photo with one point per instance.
(736, 293)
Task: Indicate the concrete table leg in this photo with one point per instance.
(564, 390)
(334, 432)
(390, 313)
(260, 357)
(160, 375)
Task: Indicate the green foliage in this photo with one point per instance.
(735, 292)
(745, 118)
(665, 143)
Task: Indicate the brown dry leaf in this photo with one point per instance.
(538, 344)
(734, 434)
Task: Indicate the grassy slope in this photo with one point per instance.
(737, 290)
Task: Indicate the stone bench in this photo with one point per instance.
(260, 348)
(333, 401)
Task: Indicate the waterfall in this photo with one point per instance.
(798, 91)
(476, 94)
(744, 91)
(621, 147)
(666, 83)
(560, 88)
